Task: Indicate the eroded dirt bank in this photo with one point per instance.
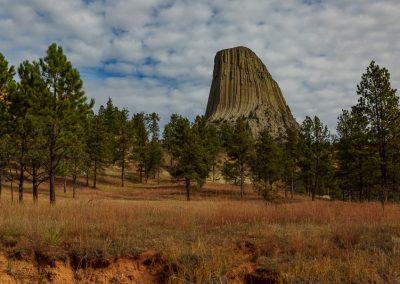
(147, 267)
(39, 268)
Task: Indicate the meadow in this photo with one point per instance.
(149, 233)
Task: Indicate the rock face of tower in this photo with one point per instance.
(243, 87)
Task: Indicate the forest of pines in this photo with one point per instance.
(49, 130)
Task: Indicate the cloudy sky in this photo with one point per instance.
(151, 55)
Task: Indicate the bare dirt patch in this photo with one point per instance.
(147, 268)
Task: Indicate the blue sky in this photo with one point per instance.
(158, 55)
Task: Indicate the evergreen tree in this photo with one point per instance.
(291, 157)
(153, 128)
(66, 106)
(98, 144)
(239, 146)
(154, 158)
(154, 153)
(316, 160)
(380, 106)
(37, 154)
(112, 118)
(169, 136)
(21, 123)
(7, 82)
(230, 173)
(141, 139)
(266, 163)
(77, 155)
(267, 166)
(188, 152)
(7, 87)
(210, 139)
(124, 138)
(354, 156)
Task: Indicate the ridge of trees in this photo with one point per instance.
(49, 129)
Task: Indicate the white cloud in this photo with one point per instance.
(163, 51)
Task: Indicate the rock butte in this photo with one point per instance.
(243, 87)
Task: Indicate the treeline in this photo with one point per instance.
(361, 162)
(49, 129)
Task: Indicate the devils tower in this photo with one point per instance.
(243, 87)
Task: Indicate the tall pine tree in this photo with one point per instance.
(66, 106)
(380, 106)
(238, 144)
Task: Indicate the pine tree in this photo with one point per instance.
(21, 123)
(112, 119)
(98, 144)
(266, 163)
(77, 155)
(210, 139)
(238, 143)
(7, 87)
(168, 142)
(316, 161)
(141, 139)
(354, 156)
(152, 126)
(291, 157)
(380, 106)
(66, 106)
(188, 152)
(37, 154)
(123, 139)
(7, 82)
(154, 151)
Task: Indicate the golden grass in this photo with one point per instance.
(207, 240)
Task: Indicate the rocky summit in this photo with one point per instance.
(243, 87)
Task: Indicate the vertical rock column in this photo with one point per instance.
(242, 86)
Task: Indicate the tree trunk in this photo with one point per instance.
(361, 179)
(292, 186)
(308, 190)
(52, 172)
(73, 185)
(386, 195)
(286, 190)
(21, 183)
(52, 187)
(87, 174)
(315, 185)
(368, 194)
(158, 175)
(123, 171)
(1, 181)
(95, 174)
(34, 183)
(35, 193)
(213, 172)
(241, 180)
(313, 190)
(187, 187)
(65, 184)
(12, 190)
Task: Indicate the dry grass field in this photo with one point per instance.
(150, 234)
